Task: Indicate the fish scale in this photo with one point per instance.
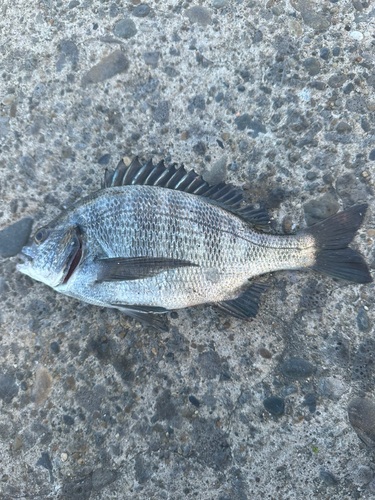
(147, 242)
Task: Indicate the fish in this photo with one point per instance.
(155, 239)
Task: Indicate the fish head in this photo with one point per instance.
(53, 256)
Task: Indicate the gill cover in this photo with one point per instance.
(53, 256)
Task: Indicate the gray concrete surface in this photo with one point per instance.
(275, 96)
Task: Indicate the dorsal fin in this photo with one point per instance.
(225, 195)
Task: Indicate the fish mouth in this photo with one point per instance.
(73, 261)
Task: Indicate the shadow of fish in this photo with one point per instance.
(156, 239)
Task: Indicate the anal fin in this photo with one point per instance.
(245, 306)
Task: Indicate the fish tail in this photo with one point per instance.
(332, 236)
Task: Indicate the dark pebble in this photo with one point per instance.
(361, 413)
(366, 127)
(151, 58)
(310, 400)
(310, 176)
(343, 127)
(104, 160)
(161, 112)
(55, 348)
(336, 51)
(241, 88)
(324, 54)
(102, 478)
(8, 387)
(371, 155)
(196, 102)
(258, 37)
(24, 386)
(199, 148)
(125, 28)
(219, 97)
(199, 15)
(328, 478)
(312, 66)
(78, 490)
(194, 401)
(45, 461)
(218, 172)
(142, 10)
(265, 353)
(337, 81)
(246, 121)
(363, 321)
(108, 67)
(68, 420)
(316, 84)
(348, 88)
(73, 3)
(274, 405)
(296, 368)
(14, 237)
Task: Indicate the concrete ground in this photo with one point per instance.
(276, 97)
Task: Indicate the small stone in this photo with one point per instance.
(219, 4)
(265, 353)
(194, 401)
(55, 348)
(312, 66)
(343, 127)
(151, 58)
(363, 321)
(199, 15)
(332, 387)
(199, 148)
(73, 3)
(141, 10)
(246, 121)
(45, 461)
(219, 97)
(8, 387)
(337, 81)
(328, 478)
(14, 237)
(324, 53)
(68, 420)
(8, 99)
(4, 127)
(315, 21)
(356, 35)
(42, 386)
(64, 457)
(184, 135)
(274, 405)
(196, 102)
(371, 156)
(161, 112)
(102, 478)
(108, 67)
(125, 28)
(320, 209)
(297, 368)
(18, 442)
(361, 413)
(218, 172)
(295, 27)
(336, 51)
(370, 104)
(68, 51)
(104, 160)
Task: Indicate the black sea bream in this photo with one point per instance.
(156, 239)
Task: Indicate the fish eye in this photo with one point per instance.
(41, 235)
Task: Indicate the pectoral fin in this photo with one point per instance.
(136, 268)
(245, 306)
(145, 315)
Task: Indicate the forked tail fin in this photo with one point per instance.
(332, 237)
